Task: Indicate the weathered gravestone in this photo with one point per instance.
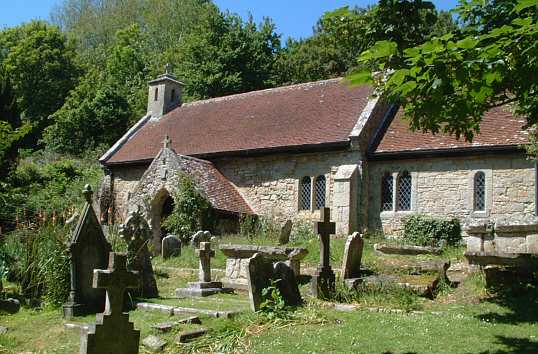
(137, 234)
(324, 279)
(285, 233)
(200, 236)
(260, 274)
(351, 263)
(88, 250)
(113, 333)
(171, 247)
(203, 287)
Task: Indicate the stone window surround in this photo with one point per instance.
(388, 214)
(489, 193)
(312, 192)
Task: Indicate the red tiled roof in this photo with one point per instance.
(499, 127)
(305, 114)
(221, 193)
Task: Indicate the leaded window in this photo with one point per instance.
(320, 192)
(480, 191)
(387, 189)
(404, 191)
(305, 193)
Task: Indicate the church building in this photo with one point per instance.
(288, 151)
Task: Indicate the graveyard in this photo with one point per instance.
(424, 300)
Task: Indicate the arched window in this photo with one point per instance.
(387, 189)
(479, 191)
(404, 191)
(320, 192)
(156, 94)
(305, 193)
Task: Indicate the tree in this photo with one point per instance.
(40, 65)
(449, 82)
(225, 55)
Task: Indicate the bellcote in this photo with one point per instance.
(164, 94)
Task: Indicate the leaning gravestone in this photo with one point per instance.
(259, 274)
(113, 333)
(88, 250)
(351, 263)
(200, 236)
(285, 233)
(171, 247)
(287, 284)
(137, 234)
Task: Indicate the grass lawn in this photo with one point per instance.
(467, 319)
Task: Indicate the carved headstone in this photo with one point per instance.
(259, 274)
(287, 284)
(171, 247)
(203, 287)
(137, 234)
(113, 333)
(324, 279)
(88, 250)
(351, 263)
(285, 233)
(200, 236)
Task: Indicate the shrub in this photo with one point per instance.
(192, 210)
(253, 226)
(424, 230)
(303, 230)
(274, 306)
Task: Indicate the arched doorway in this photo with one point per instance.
(161, 206)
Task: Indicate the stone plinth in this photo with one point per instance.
(201, 289)
(238, 257)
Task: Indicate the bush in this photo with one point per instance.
(192, 210)
(254, 226)
(424, 230)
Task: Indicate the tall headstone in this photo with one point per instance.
(137, 234)
(171, 247)
(324, 279)
(203, 287)
(113, 333)
(88, 250)
(351, 263)
(259, 273)
(200, 236)
(285, 233)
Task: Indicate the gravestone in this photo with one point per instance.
(136, 232)
(285, 233)
(259, 273)
(324, 279)
(113, 333)
(200, 236)
(351, 263)
(287, 284)
(203, 287)
(88, 250)
(171, 247)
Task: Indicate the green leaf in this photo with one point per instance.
(407, 87)
(360, 78)
(467, 43)
(524, 4)
(398, 77)
(380, 49)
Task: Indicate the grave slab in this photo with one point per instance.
(185, 336)
(154, 344)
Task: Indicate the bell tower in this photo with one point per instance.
(164, 93)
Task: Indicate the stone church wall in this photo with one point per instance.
(125, 180)
(444, 187)
(271, 183)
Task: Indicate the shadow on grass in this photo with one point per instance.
(515, 346)
(520, 304)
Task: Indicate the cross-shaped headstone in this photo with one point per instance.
(116, 279)
(205, 253)
(88, 193)
(167, 141)
(168, 68)
(323, 279)
(324, 229)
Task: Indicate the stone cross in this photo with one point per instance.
(167, 141)
(324, 279)
(116, 279)
(88, 193)
(205, 253)
(168, 68)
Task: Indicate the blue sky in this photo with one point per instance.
(293, 18)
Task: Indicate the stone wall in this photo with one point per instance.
(444, 187)
(270, 184)
(124, 181)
